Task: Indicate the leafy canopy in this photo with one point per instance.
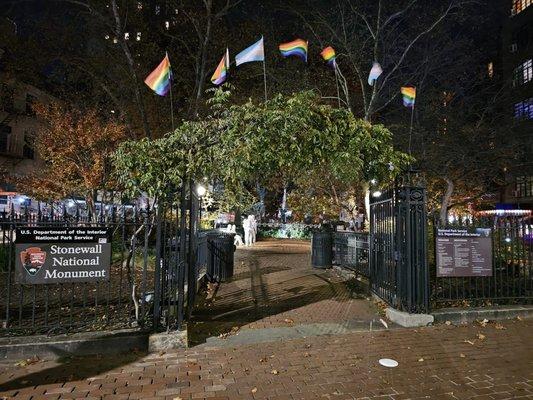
(287, 138)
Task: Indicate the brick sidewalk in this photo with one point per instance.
(445, 362)
(273, 286)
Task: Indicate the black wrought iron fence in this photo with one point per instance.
(511, 279)
(350, 250)
(124, 300)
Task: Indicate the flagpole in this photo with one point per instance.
(265, 79)
(337, 84)
(411, 126)
(171, 105)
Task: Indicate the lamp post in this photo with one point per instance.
(200, 191)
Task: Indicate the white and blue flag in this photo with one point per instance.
(375, 72)
(255, 52)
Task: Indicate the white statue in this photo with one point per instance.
(247, 226)
(237, 240)
(253, 228)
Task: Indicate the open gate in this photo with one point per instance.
(398, 249)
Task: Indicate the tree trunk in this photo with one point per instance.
(446, 202)
(131, 64)
(366, 190)
(203, 57)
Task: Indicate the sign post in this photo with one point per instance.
(62, 254)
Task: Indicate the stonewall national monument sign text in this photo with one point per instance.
(62, 254)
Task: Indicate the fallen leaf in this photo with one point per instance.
(307, 355)
(274, 372)
(178, 398)
(384, 323)
(469, 342)
(288, 321)
(462, 355)
(420, 359)
(254, 390)
(480, 336)
(499, 326)
(448, 323)
(519, 318)
(262, 360)
(484, 322)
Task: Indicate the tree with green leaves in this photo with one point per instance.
(287, 138)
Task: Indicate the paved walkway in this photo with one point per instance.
(275, 294)
(274, 290)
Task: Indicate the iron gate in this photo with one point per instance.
(152, 283)
(398, 255)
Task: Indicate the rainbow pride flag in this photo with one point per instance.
(328, 54)
(159, 78)
(296, 48)
(221, 73)
(409, 95)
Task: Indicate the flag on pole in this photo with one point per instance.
(296, 48)
(159, 78)
(255, 52)
(221, 73)
(328, 54)
(375, 72)
(409, 95)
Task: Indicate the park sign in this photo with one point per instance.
(62, 254)
(464, 252)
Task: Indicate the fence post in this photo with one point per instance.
(191, 259)
(157, 272)
(411, 233)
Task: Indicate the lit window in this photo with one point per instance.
(490, 69)
(520, 5)
(127, 36)
(138, 38)
(157, 9)
(139, 5)
(524, 109)
(524, 186)
(167, 25)
(523, 73)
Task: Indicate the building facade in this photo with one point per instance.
(517, 68)
(19, 127)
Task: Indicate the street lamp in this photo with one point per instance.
(201, 190)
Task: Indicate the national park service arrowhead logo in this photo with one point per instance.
(32, 259)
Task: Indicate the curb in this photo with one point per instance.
(79, 344)
(469, 315)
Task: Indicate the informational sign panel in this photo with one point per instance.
(462, 252)
(62, 254)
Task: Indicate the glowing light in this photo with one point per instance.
(377, 193)
(201, 190)
(502, 213)
(508, 239)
